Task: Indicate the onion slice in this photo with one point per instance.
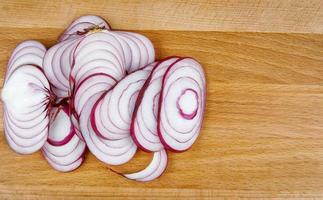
(26, 96)
(144, 119)
(61, 130)
(82, 25)
(63, 149)
(154, 170)
(111, 115)
(181, 104)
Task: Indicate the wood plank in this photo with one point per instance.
(261, 138)
(301, 16)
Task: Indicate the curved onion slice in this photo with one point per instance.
(111, 115)
(99, 46)
(52, 63)
(68, 147)
(76, 125)
(114, 152)
(82, 25)
(144, 119)
(26, 149)
(100, 89)
(25, 135)
(155, 169)
(61, 129)
(142, 51)
(65, 168)
(90, 86)
(181, 104)
(67, 156)
(28, 52)
(26, 88)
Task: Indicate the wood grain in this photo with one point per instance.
(301, 16)
(262, 134)
(261, 138)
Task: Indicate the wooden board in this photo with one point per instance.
(263, 131)
(301, 16)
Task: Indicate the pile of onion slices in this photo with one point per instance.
(101, 90)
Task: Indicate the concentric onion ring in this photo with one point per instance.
(181, 104)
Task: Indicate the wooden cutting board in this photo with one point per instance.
(263, 131)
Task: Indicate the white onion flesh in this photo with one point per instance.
(26, 127)
(82, 24)
(156, 167)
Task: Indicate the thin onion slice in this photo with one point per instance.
(25, 88)
(65, 168)
(114, 152)
(181, 104)
(61, 129)
(154, 170)
(144, 119)
(28, 52)
(82, 25)
(111, 115)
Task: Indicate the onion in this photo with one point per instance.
(56, 72)
(61, 130)
(181, 104)
(82, 25)
(101, 89)
(26, 95)
(29, 52)
(155, 169)
(141, 51)
(114, 152)
(144, 119)
(111, 115)
(63, 149)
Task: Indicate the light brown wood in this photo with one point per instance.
(263, 131)
(301, 16)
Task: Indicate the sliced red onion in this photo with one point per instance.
(61, 129)
(82, 25)
(31, 58)
(65, 154)
(155, 169)
(68, 148)
(181, 104)
(142, 51)
(19, 129)
(48, 69)
(26, 126)
(26, 149)
(114, 152)
(61, 67)
(25, 49)
(65, 168)
(144, 119)
(34, 50)
(66, 61)
(23, 139)
(90, 86)
(105, 37)
(26, 87)
(111, 115)
(76, 125)
(57, 65)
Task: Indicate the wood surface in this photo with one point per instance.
(263, 131)
(301, 16)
